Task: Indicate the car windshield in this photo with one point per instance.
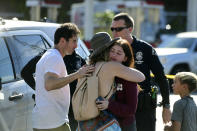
(178, 42)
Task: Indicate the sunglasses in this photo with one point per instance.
(118, 29)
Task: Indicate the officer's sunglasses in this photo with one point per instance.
(118, 29)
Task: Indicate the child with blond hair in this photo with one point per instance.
(184, 115)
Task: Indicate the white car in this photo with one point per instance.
(179, 54)
(47, 28)
(19, 42)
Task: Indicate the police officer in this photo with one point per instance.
(146, 60)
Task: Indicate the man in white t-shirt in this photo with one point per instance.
(52, 82)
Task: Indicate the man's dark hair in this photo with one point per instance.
(129, 22)
(67, 31)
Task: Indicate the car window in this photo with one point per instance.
(178, 42)
(82, 49)
(46, 43)
(23, 48)
(6, 70)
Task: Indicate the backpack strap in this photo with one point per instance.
(82, 80)
(99, 68)
(112, 86)
(96, 73)
(111, 92)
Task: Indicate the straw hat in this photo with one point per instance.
(100, 42)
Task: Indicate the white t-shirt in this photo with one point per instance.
(52, 107)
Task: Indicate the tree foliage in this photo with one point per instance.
(104, 19)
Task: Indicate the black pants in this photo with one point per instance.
(131, 127)
(146, 113)
(72, 122)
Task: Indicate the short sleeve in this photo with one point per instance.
(53, 64)
(177, 114)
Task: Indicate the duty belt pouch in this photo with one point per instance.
(154, 91)
(144, 101)
(154, 101)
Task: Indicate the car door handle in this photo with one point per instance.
(15, 97)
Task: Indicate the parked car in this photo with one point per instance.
(47, 28)
(19, 42)
(179, 54)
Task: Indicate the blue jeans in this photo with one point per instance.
(105, 122)
(113, 127)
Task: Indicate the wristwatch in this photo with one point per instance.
(166, 106)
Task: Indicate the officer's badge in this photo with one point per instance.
(139, 57)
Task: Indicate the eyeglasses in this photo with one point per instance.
(118, 29)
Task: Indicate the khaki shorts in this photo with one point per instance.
(64, 127)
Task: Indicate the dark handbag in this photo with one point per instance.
(105, 121)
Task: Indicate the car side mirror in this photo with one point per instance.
(0, 84)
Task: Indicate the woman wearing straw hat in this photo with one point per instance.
(101, 44)
(124, 103)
